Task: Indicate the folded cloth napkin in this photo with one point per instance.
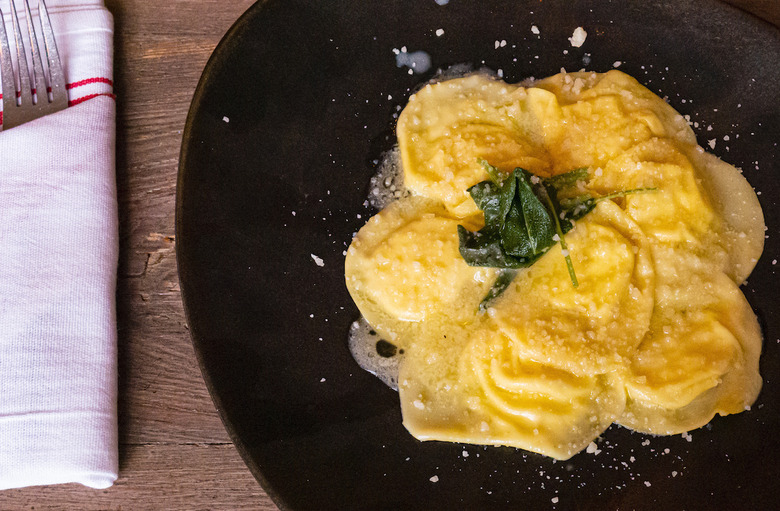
(58, 260)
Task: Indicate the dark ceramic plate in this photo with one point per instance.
(293, 111)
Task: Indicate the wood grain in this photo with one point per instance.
(768, 10)
(174, 451)
(169, 477)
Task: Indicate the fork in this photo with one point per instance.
(26, 95)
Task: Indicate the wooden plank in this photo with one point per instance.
(174, 451)
(162, 48)
(171, 477)
(768, 10)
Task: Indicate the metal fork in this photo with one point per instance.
(26, 95)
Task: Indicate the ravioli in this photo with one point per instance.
(656, 335)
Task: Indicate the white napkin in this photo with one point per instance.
(58, 259)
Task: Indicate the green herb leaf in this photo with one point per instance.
(567, 179)
(518, 228)
(493, 172)
(532, 221)
(484, 249)
(503, 280)
(568, 211)
(559, 230)
(506, 201)
(523, 214)
(623, 193)
(573, 203)
(488, 198)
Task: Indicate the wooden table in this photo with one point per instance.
(174, 451)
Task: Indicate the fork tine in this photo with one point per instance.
(6, 71)
(25, 98)
(59, 95)
(38, 78)
(28, 94)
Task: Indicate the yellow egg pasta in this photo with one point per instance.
(653, 333)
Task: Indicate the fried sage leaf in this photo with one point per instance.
(524, 218)
(518, 228)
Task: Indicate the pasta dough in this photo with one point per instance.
(657, 336)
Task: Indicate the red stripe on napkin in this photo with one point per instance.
(89, 81)
(82, 99)
(77, 84)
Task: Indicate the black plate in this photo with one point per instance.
(293, 111)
